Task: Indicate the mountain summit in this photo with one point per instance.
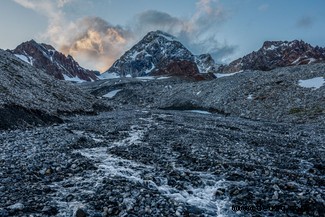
(158, 52)
(275, 54)
(44, 56)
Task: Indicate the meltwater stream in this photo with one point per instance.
(113, 167)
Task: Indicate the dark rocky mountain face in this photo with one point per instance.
(275, 54)
(184, 69)
(43, 56)
(156, 52)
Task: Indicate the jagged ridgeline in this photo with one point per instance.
(274, 54)
(54, 63)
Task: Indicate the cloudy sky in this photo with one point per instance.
(97, 32)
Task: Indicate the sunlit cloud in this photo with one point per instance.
(96, 41)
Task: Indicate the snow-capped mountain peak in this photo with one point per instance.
(156, 51)
(46, 57)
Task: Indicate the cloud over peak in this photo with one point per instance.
(95, 43)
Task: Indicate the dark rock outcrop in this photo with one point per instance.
(56, 64)
(184, 69)
(12, 116)
(276, 54)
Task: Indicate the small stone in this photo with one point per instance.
(301, 194)
(3, 213)
(147, 209)
(17, 206)
(80, 213)
(291, 185)
(276, 187)
(73, 166)
(69, 198)
(48, 171)
(50, 210)
(219, 192)
(194, 210)
(275, 195)
(42, 171)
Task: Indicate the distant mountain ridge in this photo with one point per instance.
(56, 64)
(274, 54)
(160, 53)
(156, 52)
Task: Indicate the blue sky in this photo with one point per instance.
(97, 32)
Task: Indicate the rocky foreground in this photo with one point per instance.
(163, 163)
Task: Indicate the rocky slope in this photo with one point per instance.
(56, 64)
(256, 95)
(28, 95)
(156, 52)
(275, 54)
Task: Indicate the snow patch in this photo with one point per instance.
(220, 75)
(112, 93)
(149, 70)
(163, 77)
(314, 83)
(73, 79)
(272, 47)
(311, 60)
(201, 112)
(108, 75)
(296, 61)
(51, 53)
(146, 78)
(24, 58)
(134, 55)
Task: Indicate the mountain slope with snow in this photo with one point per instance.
(43, 56)
(274, 54)
(156, 51)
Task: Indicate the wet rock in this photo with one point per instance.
(16, 207)
(220, 192)
(49, 171)
(50, 210)
(3, 213)
(80, 213)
